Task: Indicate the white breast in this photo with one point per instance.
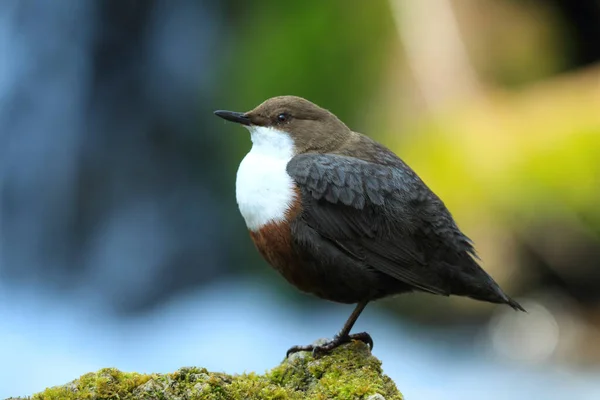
(264, 190)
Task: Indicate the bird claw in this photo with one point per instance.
(319, 350)
(296, 349)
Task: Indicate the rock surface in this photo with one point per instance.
(349, 372)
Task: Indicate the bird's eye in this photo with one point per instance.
(282, 117)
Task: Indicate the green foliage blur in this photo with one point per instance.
(331, 52)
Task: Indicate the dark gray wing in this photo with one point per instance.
(383, 216)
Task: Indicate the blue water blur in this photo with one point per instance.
(47, 342)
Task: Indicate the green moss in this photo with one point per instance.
(108, 383)
(349, 372)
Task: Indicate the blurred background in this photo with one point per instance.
(120, 240)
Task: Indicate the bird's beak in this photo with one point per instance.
(233, 116)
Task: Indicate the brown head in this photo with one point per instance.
(311, 128)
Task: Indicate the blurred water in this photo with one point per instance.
(100, 147)
(47, 342)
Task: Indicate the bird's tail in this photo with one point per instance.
(499, 298)
(516, 306)
(476, 283)
(481, 286)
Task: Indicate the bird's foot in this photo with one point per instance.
(319, 350)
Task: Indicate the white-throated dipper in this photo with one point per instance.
(341, 216)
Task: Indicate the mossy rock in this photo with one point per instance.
(349, 372)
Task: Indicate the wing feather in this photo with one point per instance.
(378, 214)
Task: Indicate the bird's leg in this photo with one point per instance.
(342, 337)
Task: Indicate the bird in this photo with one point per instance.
(342, 217)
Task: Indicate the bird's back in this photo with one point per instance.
(398, 231)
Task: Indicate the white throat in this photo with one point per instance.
(264, 190)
